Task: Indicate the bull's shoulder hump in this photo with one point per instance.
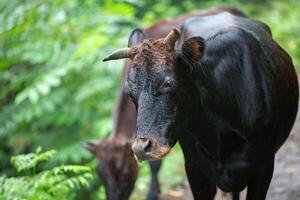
(207, 27)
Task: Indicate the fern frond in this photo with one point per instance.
(52, 184)
(27, 161)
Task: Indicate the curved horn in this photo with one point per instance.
(118, 54)
(172, 37)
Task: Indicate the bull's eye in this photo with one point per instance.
(167, 85)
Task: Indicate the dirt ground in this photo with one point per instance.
(285, 184)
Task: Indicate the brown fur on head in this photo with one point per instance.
(116, 166)
(160, 50)
(154, 51)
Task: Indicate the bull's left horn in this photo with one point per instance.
(118, 54)
(172, 37)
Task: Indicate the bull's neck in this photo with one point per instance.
(192, 87)
(194, 91)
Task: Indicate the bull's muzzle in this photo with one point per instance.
(148, 148)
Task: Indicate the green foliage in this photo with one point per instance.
(29, 161)
(49, 184)
(53, 84)
(56, 93)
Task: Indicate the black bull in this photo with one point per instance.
(227, 92)
(116, 165)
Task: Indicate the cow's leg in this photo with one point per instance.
(236, 196)
(259, 185)
(202, 185)
(154, 185)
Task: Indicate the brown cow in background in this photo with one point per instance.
(115, 161)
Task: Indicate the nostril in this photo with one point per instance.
(147, 146)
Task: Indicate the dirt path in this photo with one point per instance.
(285, 184)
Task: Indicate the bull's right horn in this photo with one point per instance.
(118, 54)
(172, 37)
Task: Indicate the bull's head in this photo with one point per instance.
(156, 87)
(116, 166)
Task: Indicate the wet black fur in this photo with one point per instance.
(230, 111)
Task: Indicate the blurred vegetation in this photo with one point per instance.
(56, 93)
(52, 184)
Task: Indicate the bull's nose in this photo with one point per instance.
(149, 148)
(141, 147)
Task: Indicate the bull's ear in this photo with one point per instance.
(192, 49)
(91, 146)
(136, 37)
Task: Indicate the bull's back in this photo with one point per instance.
(162, 28)
(209, 26)
(269, 92)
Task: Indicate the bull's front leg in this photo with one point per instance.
(201, 182)
(259, 184)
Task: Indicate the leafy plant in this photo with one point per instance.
(56, 183)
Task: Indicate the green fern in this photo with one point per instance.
(29, 161)
(49, 184)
